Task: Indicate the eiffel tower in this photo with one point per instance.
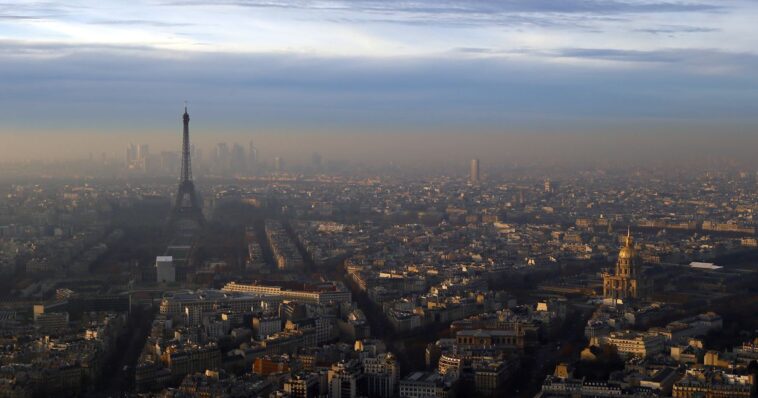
(187, 211)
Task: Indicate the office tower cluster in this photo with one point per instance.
(224, 159)
(234, 159)
(137, 157)
(140, 160)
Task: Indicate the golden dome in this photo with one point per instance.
(627, 251)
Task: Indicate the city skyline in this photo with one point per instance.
(501, 150)
(379, 198)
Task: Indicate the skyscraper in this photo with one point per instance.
(222, 158)
(278, 164)
(316, 160)
(252, 156)
(131, 155)
(143, 153)
(473, 177)
(238, 161)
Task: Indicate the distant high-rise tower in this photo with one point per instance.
(473, 176)
(252, 155)
(131, 155)
(187, 206)
(143, 151)
(143, 154)
(278, 164)
(222, 158)
(238, 159)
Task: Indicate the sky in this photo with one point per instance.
(464, 68)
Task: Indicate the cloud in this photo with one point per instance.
(673, 29)
(386, 27)
(462, 7)
(543, 13)
(373, 65)
(18, 17)
(37, 10)
(55, 49)
(692, 60)
(683, 57)
(140, 22)
(98, 90)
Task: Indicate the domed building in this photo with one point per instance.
(624, 284)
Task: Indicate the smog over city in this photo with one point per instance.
(379, 198)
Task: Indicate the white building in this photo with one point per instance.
(165, 269)
(317, 294)
(637, 344)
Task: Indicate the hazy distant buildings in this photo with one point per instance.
(137, 157)
(238, 161)
(143, 151)
(131, 155)
(221, 158)
(170, 162)
(224, 159)
(473, 176)
(234, 159)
